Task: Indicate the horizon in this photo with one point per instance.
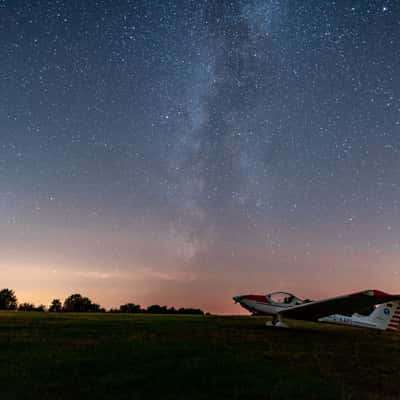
(181, 153)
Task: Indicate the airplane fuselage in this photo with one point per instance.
(259, 307)
(384, 316)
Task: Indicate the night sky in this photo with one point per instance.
(182, 152)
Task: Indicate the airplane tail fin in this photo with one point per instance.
(387, 316)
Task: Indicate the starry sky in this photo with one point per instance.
(182, 152)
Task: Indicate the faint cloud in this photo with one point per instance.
(100, 275)
(181, 276)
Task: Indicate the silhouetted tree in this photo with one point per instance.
(31, 307)
(55, 306)
(190, 311)
(130, 308)
(97, 308)
(8, 300)
(78, 303)
(156, 309)
(26, 307)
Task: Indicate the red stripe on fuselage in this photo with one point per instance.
(256, 297)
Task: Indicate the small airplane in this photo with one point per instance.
(344, 310)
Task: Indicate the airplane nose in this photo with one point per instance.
(236, 298)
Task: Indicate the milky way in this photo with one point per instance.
(182, 151)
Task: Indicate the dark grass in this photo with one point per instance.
(71, 356)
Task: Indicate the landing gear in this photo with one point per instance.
(277, 322)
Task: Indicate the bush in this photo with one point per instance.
(26, 307)
(130, 308)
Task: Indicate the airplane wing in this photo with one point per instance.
(350, 303)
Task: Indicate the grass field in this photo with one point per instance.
(113, 356)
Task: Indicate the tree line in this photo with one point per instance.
(78, 303)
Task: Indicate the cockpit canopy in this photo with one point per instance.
(284, 298)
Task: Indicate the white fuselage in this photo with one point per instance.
(353, 320)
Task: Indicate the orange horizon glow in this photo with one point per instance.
(200, 287)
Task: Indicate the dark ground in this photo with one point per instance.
(112, 356)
